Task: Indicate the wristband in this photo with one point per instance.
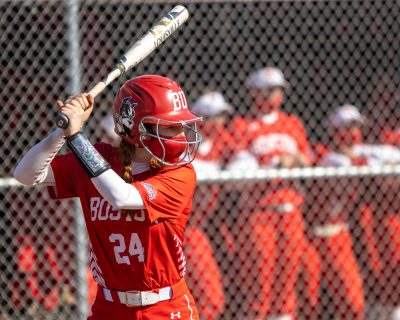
(90, 159)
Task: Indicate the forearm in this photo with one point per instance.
(116, 191)
(34, 166)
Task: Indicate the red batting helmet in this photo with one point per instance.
(157, 100)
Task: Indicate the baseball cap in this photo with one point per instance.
(345, 115)
(266, 78)
(211, 104)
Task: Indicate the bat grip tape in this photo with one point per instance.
(90, 159)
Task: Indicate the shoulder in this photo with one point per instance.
(104, 148)
(293, 119)
(109, 152)
(239, 122)
(184, 173)
(169, 175)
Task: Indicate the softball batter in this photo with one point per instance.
(136, 198)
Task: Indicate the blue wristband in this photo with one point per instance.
(90, 159)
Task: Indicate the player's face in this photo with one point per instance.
(348, 135)
(268, 100)
(169, 131)
(211, 127)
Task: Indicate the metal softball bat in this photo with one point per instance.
(156, 35)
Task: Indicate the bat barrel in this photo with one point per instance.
(140, 50)
(155, 36)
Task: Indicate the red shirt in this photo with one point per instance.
(267, 140)
(284, 134)
(140, 251)
(216, 146)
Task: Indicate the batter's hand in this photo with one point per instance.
(78, 109)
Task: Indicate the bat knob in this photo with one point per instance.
(62, 121)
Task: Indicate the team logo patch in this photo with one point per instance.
(125, 119)
(151, 191)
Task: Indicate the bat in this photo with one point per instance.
(156, 35)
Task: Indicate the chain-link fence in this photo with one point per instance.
(263, 242)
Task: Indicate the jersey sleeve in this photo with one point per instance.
(64, 167)
(69, 174)
(167, 194)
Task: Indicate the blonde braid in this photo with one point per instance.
(127, 151)
(155, 164)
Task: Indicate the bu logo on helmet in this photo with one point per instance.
(125, 118)
(179, 100)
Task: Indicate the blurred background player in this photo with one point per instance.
(333, 202)
(203, 273)
(270, 231)
(383, 109)
(377, 223)
(213, 151)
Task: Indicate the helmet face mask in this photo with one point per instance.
(170, 150)
(143, 106)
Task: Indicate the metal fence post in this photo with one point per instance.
(72, 7)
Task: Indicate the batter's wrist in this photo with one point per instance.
(90, 159)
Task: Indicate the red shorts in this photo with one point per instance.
(181, 306)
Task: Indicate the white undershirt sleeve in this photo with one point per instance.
(117, 192)
(34, 168)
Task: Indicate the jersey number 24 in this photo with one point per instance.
(122, 255)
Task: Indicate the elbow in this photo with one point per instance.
(115, 201)
(120, 204)
(117, 204)
(22, 178)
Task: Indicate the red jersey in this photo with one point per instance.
(269, 138)
(215, 148)
(139, 251)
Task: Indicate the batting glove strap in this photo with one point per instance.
(90, 159)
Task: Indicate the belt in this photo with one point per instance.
(137, 298)
(330, 230)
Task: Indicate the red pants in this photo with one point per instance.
(203, 276)
(271, 246)
(381, 232)
(180, 307)
(390, 257)
(341, 275)
(310, 282)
